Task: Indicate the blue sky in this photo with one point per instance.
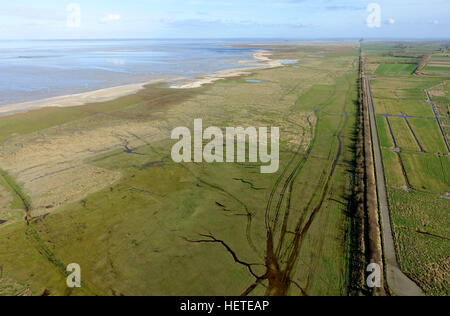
(302, 19)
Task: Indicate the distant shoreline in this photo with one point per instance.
(109, 94)
(261, 56)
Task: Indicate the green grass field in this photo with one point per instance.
(385, 135)
(25, 123)
(422, 239)
(412, 107)
(438, 70)
(402, 134)
(428, 172)
(395, 69)
(440, 58)
(393, 170)
(429, 135)
(140, 235)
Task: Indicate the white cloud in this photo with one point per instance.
(391, 21)
(110, 18)
(435, 22)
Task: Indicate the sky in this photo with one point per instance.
(290, 19)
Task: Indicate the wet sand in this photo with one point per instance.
(102, 95)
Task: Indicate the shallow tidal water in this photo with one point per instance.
(35, 70)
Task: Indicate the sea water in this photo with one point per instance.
(35, 70)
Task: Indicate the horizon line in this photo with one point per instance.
(356, 38)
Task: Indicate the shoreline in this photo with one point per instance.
(261, 60)
(78, 99)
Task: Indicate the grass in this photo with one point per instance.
(19, 198)
(439, 58)
(12, 208)
(402, 134)
(411, 107)
(427, 172)
(420, 214)
(429, 135)
(396, 69)
(9, 287)
(318, 94)
(407, 90)
(36, 120)
(423, 257)
(397, 93)
(132, 237)
(438, 70)
(393, 170)
(384, 133)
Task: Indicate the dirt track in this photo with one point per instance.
(398, 282)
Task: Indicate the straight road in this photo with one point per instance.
(397, 281)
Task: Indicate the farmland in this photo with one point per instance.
(413, 134)
(396, 69)
(402, 134)
(438, 70)
(429, 135)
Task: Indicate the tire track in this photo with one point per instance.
(280, 278)
(290, 181)
(299, 232)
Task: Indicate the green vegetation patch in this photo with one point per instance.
(395, 69)
(417, 83)
(317, 95)
(420, 215)
(140, 235)
(403, 136)
(35, 120)
(429, 135)
(20, 199)
(438, 70)
(393, 169)
(440, 58)
(411, 107)
(384, 133)
(422, 241)
(428, 173)
(9, 287)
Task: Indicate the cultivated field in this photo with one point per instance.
(412, 122)
(395, 69)
(99, 189)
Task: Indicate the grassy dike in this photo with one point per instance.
(198, 229)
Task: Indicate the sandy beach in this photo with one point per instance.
(101, 95)
(261, 61)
